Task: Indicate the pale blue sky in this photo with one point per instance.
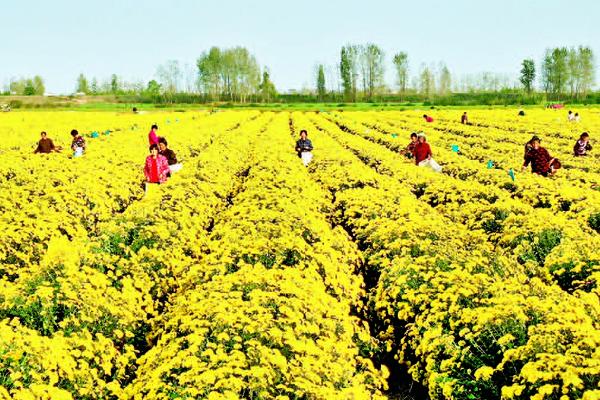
(59, 39)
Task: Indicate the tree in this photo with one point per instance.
(246, 77)
(209, 72)
(560, 70)
(401, 64)
(29, 88)
(153, 89)
(321, 89)
(588, 73)
(426, 82)
(349, 61)
(94, 86)
(372, 67)
(445, 80)
(17, 86)
(555, 71)
(333, 78)
(527, 75)
(169, 75)
(346, 73)
(38, 85)
(547, 72)
(82, 84)
(267, 88)
(573, 72)
(232, 74)
(569, 69)
(190, 74)
(114, 84)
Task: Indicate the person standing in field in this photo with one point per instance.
(78, 144)
(156, 169)
(570, 116)
(464, 119)
(152, 135)
(577, 118)
(542, 163)
(304, 148)
(169, 154)
(45, 145)
(582, 146)
(408, 151)
(427, 118)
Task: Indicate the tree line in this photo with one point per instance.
(229, 74)
(234, 75)
(566, 73)
(27, 86)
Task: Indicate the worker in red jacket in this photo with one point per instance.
(427, 118)
(542, 163)
(422, 150)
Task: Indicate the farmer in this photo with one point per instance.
(421, 150)
(169, 154)
(157, 166)
(408, 151)
(427, 118)
(45, 145)
(582, 146)
(464, 119)
(78, 144)
(529, 145)
(521, 113)
(304, 148)
(577, 118)
(422, 154)
(570, 116)
(541, 161)
(152, 136)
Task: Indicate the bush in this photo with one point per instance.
(594, 222)
(541, 245)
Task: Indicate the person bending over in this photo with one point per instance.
(582, 146)
(409, 149)
(542, 163)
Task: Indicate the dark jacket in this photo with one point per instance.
(44, 146)
(170, 155)
(303, 145)
(539, 160)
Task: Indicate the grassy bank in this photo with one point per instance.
(117, 104)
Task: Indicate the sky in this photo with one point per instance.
(61, 38)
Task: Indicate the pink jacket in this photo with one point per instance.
(152, 138)
(162, 166)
